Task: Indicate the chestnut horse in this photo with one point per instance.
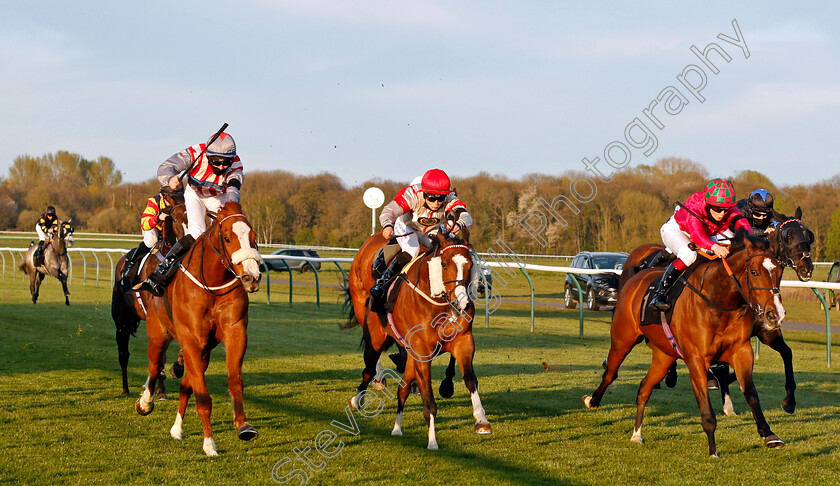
(791, 243)
(129, 308)
(56, 264)
(432, 315)
(205, 304)
(712, 320)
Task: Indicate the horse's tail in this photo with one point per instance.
(22, 266)
(351, 321)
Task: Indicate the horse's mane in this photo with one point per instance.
(742, 237)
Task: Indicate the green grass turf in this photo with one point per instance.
(62, 420)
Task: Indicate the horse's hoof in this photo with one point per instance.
(671, 378)
(140, 410)
(380, 384)
(447, 389)
(483, 428)
(125, 392)
(774, 442)
(352, 402)
(587, 401)
(247, 432)
(162, 397)
(788, 407)
(177, 370)
(637, 439)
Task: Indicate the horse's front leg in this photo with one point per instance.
(63, 279)
(697, 367)
(424, 382)
(177, 429)
(463, 352)
(402, 394)
(775, 340)
(196, 361)
(236, 341)
(659, 366)
(742, 361)
(156, 351)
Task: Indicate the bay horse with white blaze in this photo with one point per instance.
(129, 308)
(791, 244)
(432, 314)
(205, 304)
(713, 320)
(56, 264)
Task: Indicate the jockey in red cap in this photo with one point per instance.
(706, 214)
(416, 211)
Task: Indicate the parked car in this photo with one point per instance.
(488, 277)
(276, 265)
(599, 289)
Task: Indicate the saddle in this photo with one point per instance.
(650, 316)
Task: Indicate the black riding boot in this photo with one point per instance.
(378, 266)
(660, 300)
(379, 289)
(38, 256)
(130, 269)
(157, 282)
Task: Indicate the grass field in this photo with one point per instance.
(63, 421)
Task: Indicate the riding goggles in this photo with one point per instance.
(218, 161)
(717, 209)
(435, 197)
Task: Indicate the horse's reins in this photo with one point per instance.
(224, 259)
(753, 305)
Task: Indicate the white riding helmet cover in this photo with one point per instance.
(223, 146)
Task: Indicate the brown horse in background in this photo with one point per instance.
(791, 244)
(712, 320)
(56, 264)
(205, 304)
(432, 315)
(129, 308)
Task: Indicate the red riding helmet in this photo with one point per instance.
(720, 193)
(435, 181)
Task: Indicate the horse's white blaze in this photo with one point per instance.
(461, 295)
(247, 255)
(478, 409)
(433, 445)
(177, 430)
(777, 301)
(397, 425)
(209, 447)
(779, 307)
(637, 436)
(436, 285)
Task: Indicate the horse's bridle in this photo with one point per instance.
(224, 258)
(755, 306)
(786, 259)
(449, 298)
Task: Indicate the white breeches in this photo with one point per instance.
(410, 242)
(150, 237)
(197, 206)
(41, 235)
(677, 241)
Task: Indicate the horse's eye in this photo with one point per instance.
(443, 265)
(752, 271)
(227, 240)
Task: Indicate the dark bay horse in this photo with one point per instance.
(204, 305)
(712, 320)
(432, 315)
(56, 263)
(129, 308)
(791, 244)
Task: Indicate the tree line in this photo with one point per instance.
(321, 210)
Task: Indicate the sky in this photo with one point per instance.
(387, 89)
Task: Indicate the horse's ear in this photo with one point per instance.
(798, 213)
(810, 235)
(465, 235)
(441, 239)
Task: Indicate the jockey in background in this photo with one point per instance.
(151, 225)
(758, 208)
(417, 210)
(705, 215)
(45, 228)
(215, 177)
